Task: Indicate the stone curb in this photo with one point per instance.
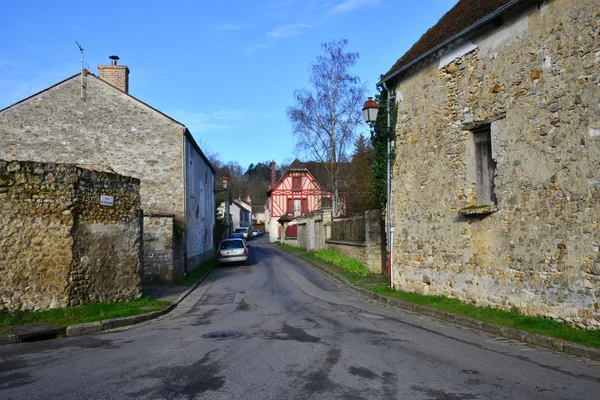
(107, 324)
(498, 330)
(8, 339)
(89, 328)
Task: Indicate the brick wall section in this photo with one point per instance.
(538, 76)
(116, 75)
(58, 246)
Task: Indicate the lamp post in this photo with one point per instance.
(227, 217)
(370, 114)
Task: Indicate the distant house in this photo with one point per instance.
(93, 120)
(240, 215)
(496, 182)
(299, 191)
(258, 215)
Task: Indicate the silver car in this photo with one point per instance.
(232, 251)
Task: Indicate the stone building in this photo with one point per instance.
(93, 120)
(496, 182)
(68, 236)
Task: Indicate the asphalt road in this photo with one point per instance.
(300, 337)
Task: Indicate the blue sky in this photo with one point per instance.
(225, 69)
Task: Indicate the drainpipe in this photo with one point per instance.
(390, 229)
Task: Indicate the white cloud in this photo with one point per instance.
(288, 30)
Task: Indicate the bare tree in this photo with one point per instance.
(324, 119)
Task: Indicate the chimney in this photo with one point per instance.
(272, 174)
(116, 75)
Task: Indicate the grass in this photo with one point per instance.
(290, 248)
(199, 273)
(511, 319)
(351, 268)
(88, 313)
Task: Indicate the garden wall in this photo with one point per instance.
(68, 236)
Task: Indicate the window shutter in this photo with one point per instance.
(304, 206)
(290, 206)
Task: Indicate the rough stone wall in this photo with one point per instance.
(368, 252)
(58, 246)
(108, 128)
(106, 263)
(536, 79)
(159, 238)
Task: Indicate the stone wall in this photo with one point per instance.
(535, 81)
(58, 246)
(318, 225)
(163, 248)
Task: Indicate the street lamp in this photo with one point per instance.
(370, 114)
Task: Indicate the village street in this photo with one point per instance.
(300, 337)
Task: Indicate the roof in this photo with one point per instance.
(87, 73)
(316, 169)
(464, 16)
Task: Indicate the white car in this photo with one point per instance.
(232, 251)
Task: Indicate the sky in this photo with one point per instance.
(225, 69)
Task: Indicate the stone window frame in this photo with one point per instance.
(483, 132)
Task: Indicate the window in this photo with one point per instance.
(297, 183)
(485, 165)
(297, 209)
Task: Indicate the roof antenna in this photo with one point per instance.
(83, 72)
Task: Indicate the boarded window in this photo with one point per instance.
(485, 166)
(297, 184)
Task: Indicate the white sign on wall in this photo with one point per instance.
(108, 201)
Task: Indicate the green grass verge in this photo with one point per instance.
(351, 268)
(511, 319)
(199, 273)
(290, 248)
(88, 313)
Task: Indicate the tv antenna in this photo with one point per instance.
(82, 72)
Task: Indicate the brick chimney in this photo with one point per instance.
(116, 75)
(272, 174)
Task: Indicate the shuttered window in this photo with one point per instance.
(485, 166)
(297, 184)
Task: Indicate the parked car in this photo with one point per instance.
(255, 233)
(237, 236)
(233, 251)
(244, 231)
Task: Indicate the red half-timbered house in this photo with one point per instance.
(300, 190)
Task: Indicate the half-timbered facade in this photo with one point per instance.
(297, 192)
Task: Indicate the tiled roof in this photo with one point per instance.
(463, 15)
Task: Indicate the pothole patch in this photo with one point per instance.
(220, 335)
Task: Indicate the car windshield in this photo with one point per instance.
(232, 244)
(240, 230)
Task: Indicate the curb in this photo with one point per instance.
(89, 328)
(558, 345)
